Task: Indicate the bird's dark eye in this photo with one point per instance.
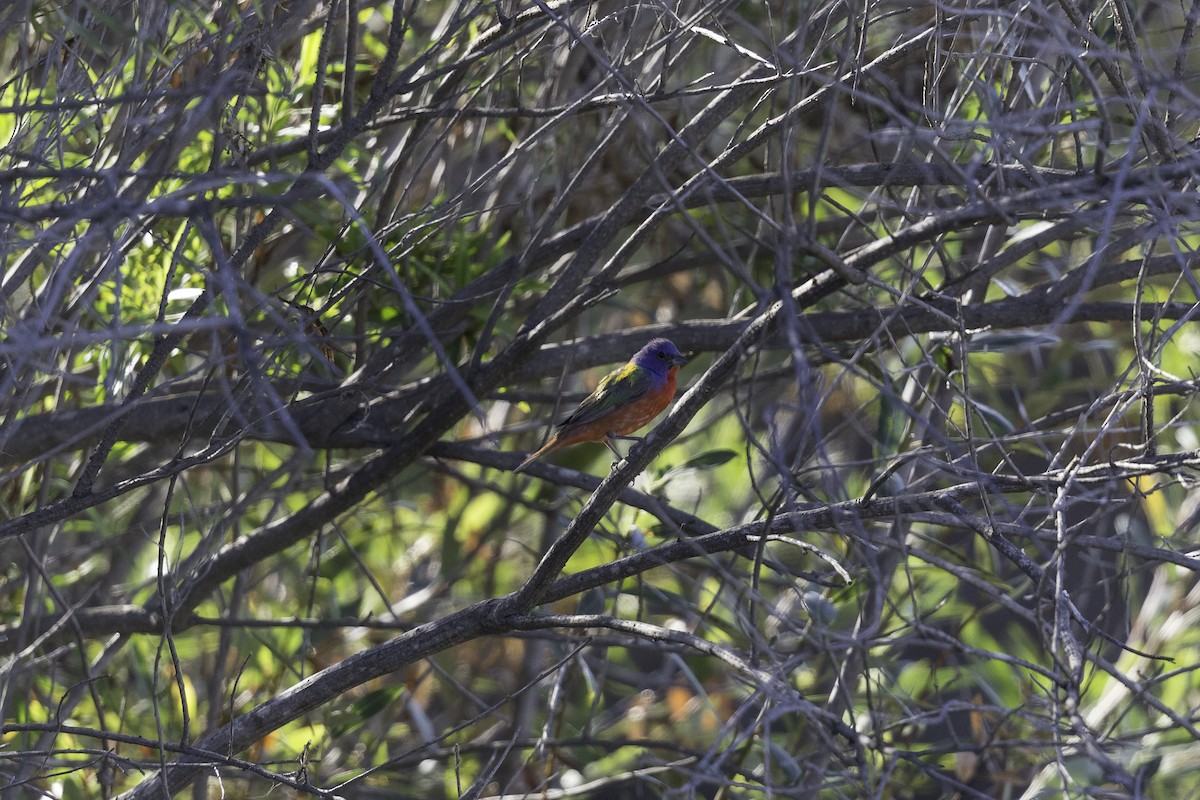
(662, 354)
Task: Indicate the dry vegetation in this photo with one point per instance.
(288, 289)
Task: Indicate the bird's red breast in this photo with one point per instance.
(638, 413)
(624, 419)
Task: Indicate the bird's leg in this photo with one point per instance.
(608, 442)
(637, 442)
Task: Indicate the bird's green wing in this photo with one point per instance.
(616, 389)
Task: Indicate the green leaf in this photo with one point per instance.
(710, 459)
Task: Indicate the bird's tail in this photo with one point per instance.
(553, 444)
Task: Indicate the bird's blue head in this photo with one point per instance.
(658, 356)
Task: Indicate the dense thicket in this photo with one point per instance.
(289, 288)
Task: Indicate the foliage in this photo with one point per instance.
(288, 289)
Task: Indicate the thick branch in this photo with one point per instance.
(348, 420)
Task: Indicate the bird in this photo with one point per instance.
(626, 399)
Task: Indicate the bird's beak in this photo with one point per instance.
(678, 361)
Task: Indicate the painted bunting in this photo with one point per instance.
(625, 400)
